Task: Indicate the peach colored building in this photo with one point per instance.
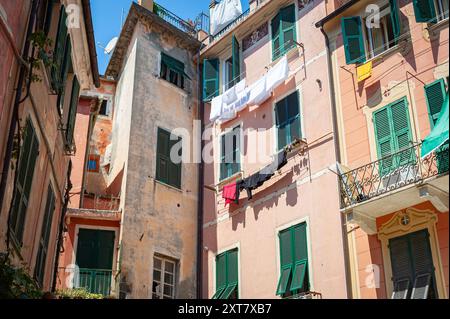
(40, 83)
(287, 239)
(390, 82)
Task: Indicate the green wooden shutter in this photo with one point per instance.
(424, 11)
(162, 161)
(288, 27)
(174, 169)
(28, 156)
(45, 236)
(276, 38)
(384, 138)
(300, 247)
(210, 79)
(72, 111)
(353, 40)
(231, 273)
(435, 95)
(236, 62)
(395, 19)
(66, 67)
(401, 132)
(221, 276)
(286, 261)
(60, 44)
(48, 16)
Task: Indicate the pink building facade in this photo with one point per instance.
(287, 240)
(390, 83)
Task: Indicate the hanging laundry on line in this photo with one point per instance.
(226, 106)
(230, 193)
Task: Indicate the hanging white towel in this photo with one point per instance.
(216, 108)
(229, 96)
(224, 13)
(278, 74)
(242, 100)
(258, 92)
(240, 86)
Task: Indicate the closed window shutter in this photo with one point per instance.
(299, 276)
(286, 261)
(287, 118)
(66, 67)
(402, 274)
(402, 133)
(221, 276)
(174, 168)
(395, 19)
(210, 79)
(435, 95)
(421, 253)
(162, 162)
(72, 111)
(236, 62)
(424, 11)
(230, 153)
(384, 138)
(29, 153)
(353, 40)
(231, 273)
(60, 44)
(45, 236)
(276, 39)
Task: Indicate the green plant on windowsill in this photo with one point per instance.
(42, 44)
(77, 293)
(15, 282)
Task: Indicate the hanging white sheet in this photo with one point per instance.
(224, 13)
(278, 74)
(216, 108)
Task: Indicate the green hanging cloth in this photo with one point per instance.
(439, 134)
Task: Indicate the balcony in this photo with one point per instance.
(397, 181)
(96, 281)
(174, 20)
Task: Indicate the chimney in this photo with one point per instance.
(147, 4)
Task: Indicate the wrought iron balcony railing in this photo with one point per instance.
(391, 173)
(174, 20)
(97, 281)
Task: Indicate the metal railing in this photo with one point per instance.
(230, 25)
(174, 20)
(390, 173)
(97, 281)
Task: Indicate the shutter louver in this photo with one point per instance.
(395, 19)
(353, 40)
(210, 79)
(236, 62)
(72, 111)
(424, 11)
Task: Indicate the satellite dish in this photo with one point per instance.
(111, 45)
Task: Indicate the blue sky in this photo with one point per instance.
(107, 15)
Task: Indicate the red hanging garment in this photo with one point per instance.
(229, 193)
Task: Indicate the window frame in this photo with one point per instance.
(239, 156)
(228, 286)
(385, 18)
(289, 291)
(162, 282)
(281, 49)
(274, 115)
(181, 77)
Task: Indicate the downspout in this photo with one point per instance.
(59, 244)
(337, 151)
(200, 185)
(17, 100)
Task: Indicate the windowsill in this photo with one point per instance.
(438, 25)
(227, 180)
(381, 56)
(179, 190)
(163, 81)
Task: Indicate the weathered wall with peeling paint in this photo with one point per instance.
(157, 218)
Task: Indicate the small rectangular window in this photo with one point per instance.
(164, 278)
(172, 71)
(104, 108)
(287, 115)
(93, 163)
(294, 278)
(380, 38)
(227, 275)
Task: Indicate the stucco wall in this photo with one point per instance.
(157, 218)
(304, 190)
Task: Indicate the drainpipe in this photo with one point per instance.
(59, 244)
(337, 151)
(200, 186)
(17, 100)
